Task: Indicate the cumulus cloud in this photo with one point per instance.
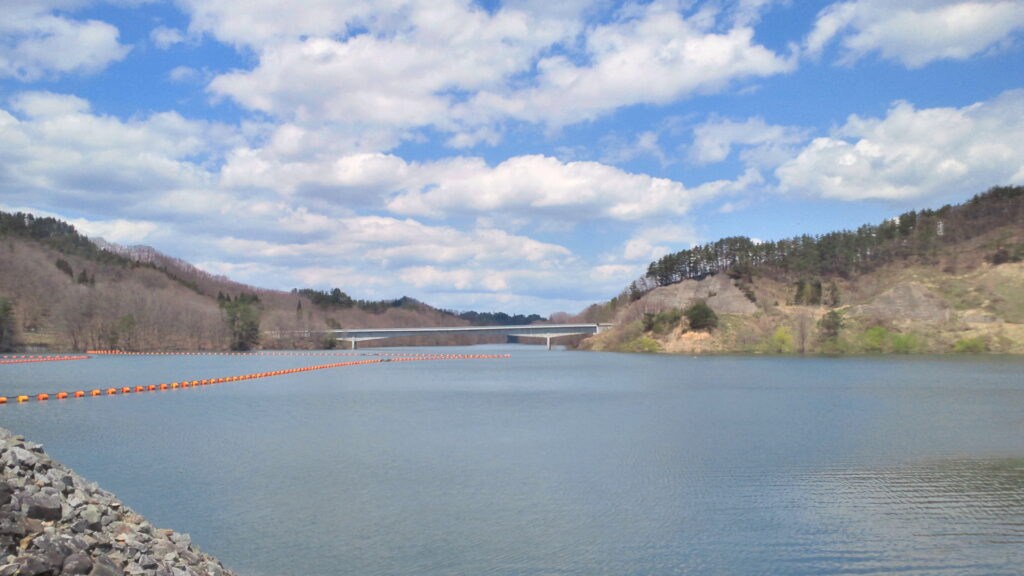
(912, 153)
(54, 143)
(164, 37)
(119, 231)
(915, 32)
(36, 43)
(714, 140)
(655, 56)
(541, 184)
(465, 71)
(650, 242)
(394, 242)
(404, 71)
(521, 187)
(425, 257)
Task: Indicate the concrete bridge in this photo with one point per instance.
(546, 331)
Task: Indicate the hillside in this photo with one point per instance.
(934, 281)
(62, 291)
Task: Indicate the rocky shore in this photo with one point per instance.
(54, 523)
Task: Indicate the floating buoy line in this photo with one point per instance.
(115, 391)
(26, 359)
(123, 353)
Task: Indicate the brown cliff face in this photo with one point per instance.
(902, 308)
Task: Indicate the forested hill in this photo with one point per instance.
(60, 290)
(929, 281)
(919, 235)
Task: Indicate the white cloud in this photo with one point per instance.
(916, 32)
(649, 243)
(164, 37)
(713, 140)
(656, 57)
(391, 242)
(538, 185)
(259, 22)
(911, 153)
(749, 12)
(183, 74)
(57, 146)
(457, 68)
(644, 144)
(402, 72)
(520, 189)
(35, 43)
(119, 231)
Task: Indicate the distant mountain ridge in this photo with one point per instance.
(60, 290)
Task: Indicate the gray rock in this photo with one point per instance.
(147, 562)
(12, 526)
(34, 566)
(103, 566)
(54, 522)
(92, 516)
(23, 458)
(44, 506)
(77, 563)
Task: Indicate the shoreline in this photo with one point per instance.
(54, 522)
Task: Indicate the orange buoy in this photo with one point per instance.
(79, 393)
(163, 386)
(22, 398)
(140, 388)
(111, 391)
(96, 392)
(174, 385)
(62, 395)
(126, 390)
(42, 397)
(152, 387)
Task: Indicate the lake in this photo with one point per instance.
(557, 463)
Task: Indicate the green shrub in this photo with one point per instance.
(642, 344)
(904, 343)
(781, 341)
(830, 325)
(701, 317)
(974, 345)
(662, 323)
(875, 339)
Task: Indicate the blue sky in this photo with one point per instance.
(522, 156)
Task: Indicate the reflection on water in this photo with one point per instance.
(555, 463)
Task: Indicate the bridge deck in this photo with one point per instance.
(546, 331)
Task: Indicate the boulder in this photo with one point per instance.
(77, 563)
(44, 506)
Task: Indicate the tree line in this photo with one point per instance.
(336, 298)
(914, 234)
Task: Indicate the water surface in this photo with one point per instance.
(558, 463)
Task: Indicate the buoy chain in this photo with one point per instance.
(26, 359)
(114, 391)
(124, 353)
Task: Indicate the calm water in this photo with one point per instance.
(558, 463)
